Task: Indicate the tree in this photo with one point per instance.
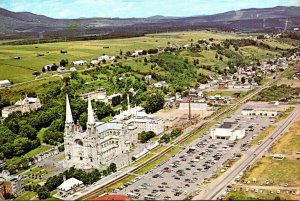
(243, 80)
(63, 62)
(154, 102)
(112, 167)
(43, 193)
(121, 52)
(27, 131)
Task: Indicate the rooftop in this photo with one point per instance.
(69, 184)
(113, 197)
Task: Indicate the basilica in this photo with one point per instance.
(101, 142)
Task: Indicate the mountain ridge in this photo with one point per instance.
(250, 19)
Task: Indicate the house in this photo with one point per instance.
(48, 67)
(159, 84)
(104, 57)
(227, 131)
(148, 78)
(223, 85)
(61, 69)
(69, 187)
(79, 63)
(5, 83)
(95, 62)
(137, 53)
(73, 69)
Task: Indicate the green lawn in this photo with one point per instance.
(36, 151)
(40, 134)
(258, 53)
(27, 195)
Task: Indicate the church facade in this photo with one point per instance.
(99, 144)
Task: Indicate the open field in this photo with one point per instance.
(19, 70)
(258, 53)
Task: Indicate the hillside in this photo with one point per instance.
(30, 25)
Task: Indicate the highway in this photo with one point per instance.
(177, 141)
(214, 189)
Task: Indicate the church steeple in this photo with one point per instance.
(91, 118)
(69, 117)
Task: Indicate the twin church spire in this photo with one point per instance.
(69, 117)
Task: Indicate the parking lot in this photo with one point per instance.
(185, 173)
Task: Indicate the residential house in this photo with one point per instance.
(79, 63)
(5, 83)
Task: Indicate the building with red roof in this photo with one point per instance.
(113, 197)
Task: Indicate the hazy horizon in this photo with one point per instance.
(68, 9)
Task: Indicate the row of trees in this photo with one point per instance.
(169, 136)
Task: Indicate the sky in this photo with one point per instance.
(71, 9)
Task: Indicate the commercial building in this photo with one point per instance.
(227, 131)
(261, 109)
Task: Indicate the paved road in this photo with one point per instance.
(214, 189)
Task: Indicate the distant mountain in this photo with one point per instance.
(21, 24)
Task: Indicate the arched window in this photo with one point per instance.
(79, 142)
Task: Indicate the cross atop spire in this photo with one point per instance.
(91, 118)
(69, 117)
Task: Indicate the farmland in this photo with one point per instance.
(20, 70)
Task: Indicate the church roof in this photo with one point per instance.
(109, 126)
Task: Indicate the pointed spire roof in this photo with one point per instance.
(69, 117)
(91, 118)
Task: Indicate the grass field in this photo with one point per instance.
(282, 171)
(258, 53)
(36, 151)
(27, 195)
(19, 70)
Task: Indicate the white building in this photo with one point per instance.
(261, 109)
(137, 117)
(27, 105)
(228, 131)
(4, 83)
(79, 63)
(194, 106)
(69, 187)
(73, 69)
